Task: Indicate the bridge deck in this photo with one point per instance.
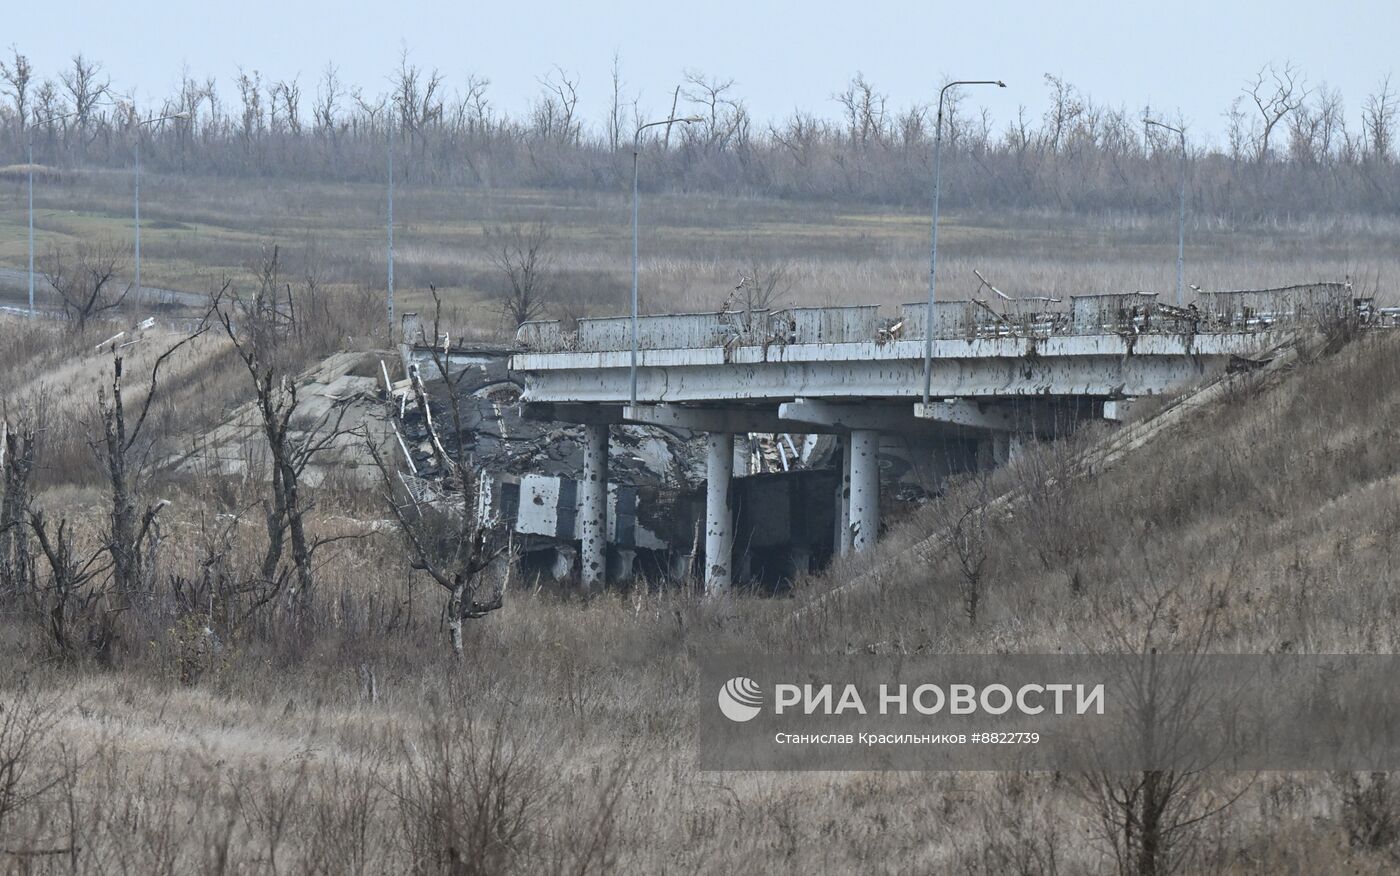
(1097, 345)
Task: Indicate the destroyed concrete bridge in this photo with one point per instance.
(997, 377)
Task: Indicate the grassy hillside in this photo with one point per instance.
(340, 737)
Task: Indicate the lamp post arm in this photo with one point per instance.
(933, 236)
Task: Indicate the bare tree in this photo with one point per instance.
(327, 107)
(616, 118)
(129, 534)
(454, 541)
(554, 117)
(1378, 118)
(864, 110)
(86, 87)
(284, 98)
(1066, 108)
(418, 96)
(73, 599)
(86, 279)
(521, 253)
(1275, 92)
(722, 112)
(17, 459)
(252, 119)
(258, 328)
(17, 76)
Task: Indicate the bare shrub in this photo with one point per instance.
(962, 512)
(85, 279)
(27, 773)
(1045, 475)
(470, 794)
(1151, 818)
(1370, 809)
(1021, 832)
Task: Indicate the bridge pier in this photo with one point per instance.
(719, 523)
(593, 518)
(865, 489)
(843, 501)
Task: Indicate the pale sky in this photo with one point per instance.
(1190, 57)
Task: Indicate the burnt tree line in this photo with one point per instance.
(1291, 144)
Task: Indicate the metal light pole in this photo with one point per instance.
(48, 121)
(137, 195)
(389, 135)
(636, 151)
(933, 247)
(1181, 220)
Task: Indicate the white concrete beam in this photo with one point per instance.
(961, 412)
(870, 415)
(566, 412)
(775, 382)
(732, 419)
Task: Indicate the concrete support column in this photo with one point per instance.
(719, 525)
(865, 489)
(843, 501)
(593, 507)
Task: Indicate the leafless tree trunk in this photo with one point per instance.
(258, 330)
(123, 458)
(16, 561)
(454, 542)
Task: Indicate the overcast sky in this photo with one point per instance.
(1190, 56)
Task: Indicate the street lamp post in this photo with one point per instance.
(1181, 219)
(137, 195)
(636, 151)
(48, 121)
(933, 246)
(389, 299)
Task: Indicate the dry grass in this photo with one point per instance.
(563, 742)
(694, 247)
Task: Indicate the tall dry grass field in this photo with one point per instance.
(339, 736)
